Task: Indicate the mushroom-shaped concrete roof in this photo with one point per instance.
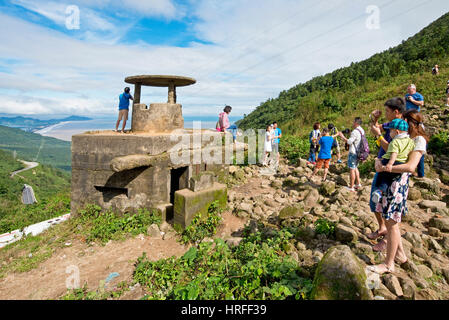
(160, 80)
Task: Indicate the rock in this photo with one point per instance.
(414, 194)
(271, 203)
(440, 223)
(434, 205)
(392, 283)
(327, 188)
(433, 244)
(239, 175)
(311, 198)
(428, 184)
(153, 231)
(258, 211)
(424, 271)
(302, 163)
(408, 288)
(290, 181)
(245, 207)
(426, 294)
(345, 234)
(420, 252)
(383, 291)
(446, 242)
(233, 241)
(414, 239)
(340, 275)
(293, 193)
(445, 273)
(233, 169)
(301, 246)
(434, 232)
(342, 181)
(291, 212)
(346, 221)
(277, 184)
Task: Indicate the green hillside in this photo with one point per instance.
(51, 187)
(34, 147)
(364, 86)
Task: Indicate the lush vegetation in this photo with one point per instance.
(51, 187)
(34, 147)
(98, 225)
(202, 227)
(439, 143)
(258, 268)
(362, 87)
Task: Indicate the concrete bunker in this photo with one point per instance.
(126, 172)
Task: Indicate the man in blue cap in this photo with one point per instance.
(397, 153)
(123, 108)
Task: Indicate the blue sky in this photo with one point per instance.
(241, 52)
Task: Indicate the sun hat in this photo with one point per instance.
(398, 124)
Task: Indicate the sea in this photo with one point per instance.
(65, 130)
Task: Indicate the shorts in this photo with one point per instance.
(353, 162)
(275, 147)
(320, 163)
(336, 145)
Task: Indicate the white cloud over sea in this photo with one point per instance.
(241, 52)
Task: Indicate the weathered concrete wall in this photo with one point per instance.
(188, 203)
(95, 181)
(160, 117)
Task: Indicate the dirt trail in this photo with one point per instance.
(28, 166)
(95, 263)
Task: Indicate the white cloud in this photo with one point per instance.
(260, 48)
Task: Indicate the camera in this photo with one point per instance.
(346, 131)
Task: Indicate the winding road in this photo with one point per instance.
(28, 166)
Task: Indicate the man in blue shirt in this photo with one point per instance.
(276, 140)
(413, 99)
(123, 108)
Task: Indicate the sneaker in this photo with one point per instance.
(350, 189)
(358, 186)
(339, 161)
(377, 195)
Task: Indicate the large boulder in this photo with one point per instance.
(291, 212)
(440, 223)
(311, 198)
(345, 234)
(340, 275)
(434, 205)
(429, 185)
(327, 188)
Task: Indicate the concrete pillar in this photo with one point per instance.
(137, 89)
(171, 93)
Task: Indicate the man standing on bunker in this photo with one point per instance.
(123, 108)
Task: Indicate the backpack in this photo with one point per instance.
(363, 149)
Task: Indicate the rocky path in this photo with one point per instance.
(290, 199)
(95, 263)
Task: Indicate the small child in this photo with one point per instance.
(397, 153)
(324, 157)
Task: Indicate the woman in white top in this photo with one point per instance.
(268, 143)
(394, 203)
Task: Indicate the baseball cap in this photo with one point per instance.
(398, 124)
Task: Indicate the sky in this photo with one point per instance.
(71, 57)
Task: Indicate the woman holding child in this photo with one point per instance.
(393, 204)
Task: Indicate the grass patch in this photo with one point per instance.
(258, 268)
(102, 226)
(202, 227)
